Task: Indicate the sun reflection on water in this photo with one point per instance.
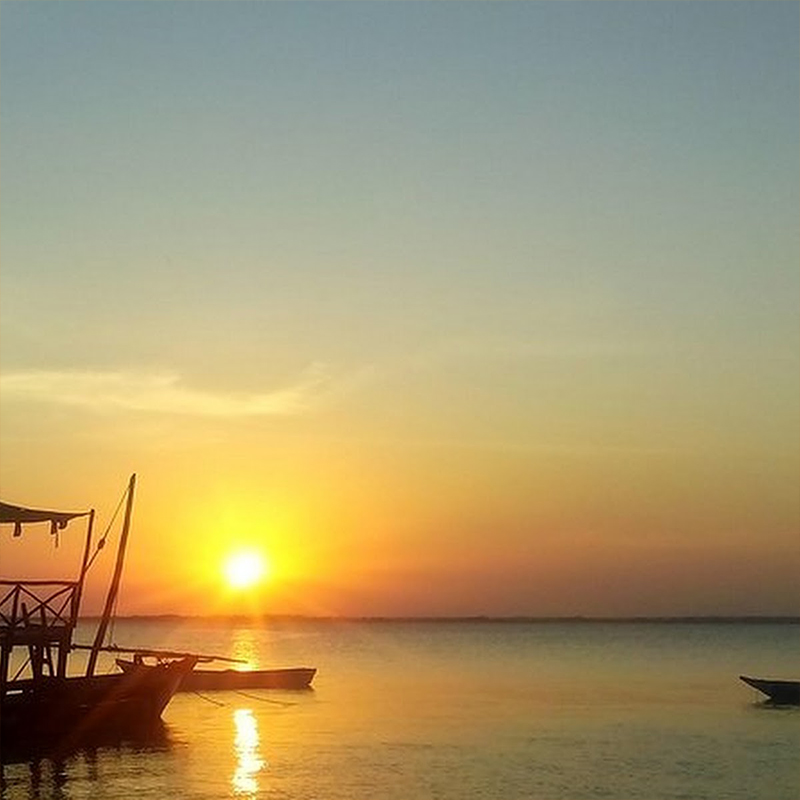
(248, 759)
(244, 646)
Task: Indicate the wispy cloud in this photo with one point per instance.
(168, 392)
(163, 393)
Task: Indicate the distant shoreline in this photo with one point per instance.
(724, 620)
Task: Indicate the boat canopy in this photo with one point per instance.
(17, 515)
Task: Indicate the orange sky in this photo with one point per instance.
(448, 308)
(386, 533)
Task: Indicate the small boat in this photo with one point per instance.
(783, 693)
(204, 680)
(46, 708)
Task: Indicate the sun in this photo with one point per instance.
(244, 569)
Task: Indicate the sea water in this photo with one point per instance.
(417, 710)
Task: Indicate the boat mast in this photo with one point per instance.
(113, 589)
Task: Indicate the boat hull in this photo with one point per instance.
(58, 715)
(207, 680)
(220, 680)
(777, 692)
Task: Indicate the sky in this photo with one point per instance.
(445, 308)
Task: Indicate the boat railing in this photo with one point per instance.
(33, 610)
(40, 615)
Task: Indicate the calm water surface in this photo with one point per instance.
(454, 710)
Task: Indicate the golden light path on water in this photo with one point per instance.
(243, 646)
(246, 748)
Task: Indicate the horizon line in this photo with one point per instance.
(518, 618)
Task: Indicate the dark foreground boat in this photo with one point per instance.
(61, 714)
(784, 693)
(46, 709)
(204, 680)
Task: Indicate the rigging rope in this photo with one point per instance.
(101, 542)
(209, 699)
(243, 694)
(110, 635)
(264, 699)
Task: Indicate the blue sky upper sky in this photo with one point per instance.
(549, 246)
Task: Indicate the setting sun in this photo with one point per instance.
(244, 569)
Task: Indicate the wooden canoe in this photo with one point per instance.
(778, 692)
(205, 680)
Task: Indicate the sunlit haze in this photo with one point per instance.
(444, 308)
